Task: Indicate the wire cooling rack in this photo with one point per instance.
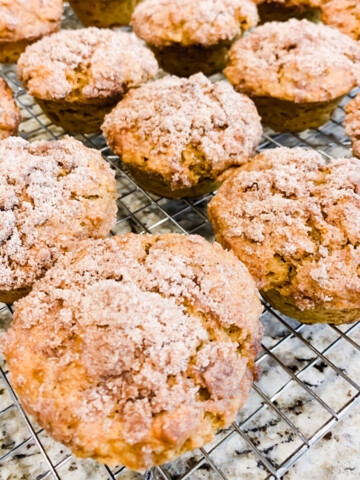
(310, 378)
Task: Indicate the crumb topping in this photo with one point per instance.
(204, 22)
(153, 326)
(52, 194)
(295, 222)
(352, 123)
(28, 19)
(163, 123)
(84, 64)
(293, 3)
(10, 116)
(344, 15)
(295, 60)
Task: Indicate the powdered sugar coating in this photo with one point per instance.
(142, 347)
(352, 124)
(295, 222)
(85, 64)
(52, 195)
(185, 22)
(10, 116)
(28, 19)
(295, 60)
(163, 119)
(344, 15)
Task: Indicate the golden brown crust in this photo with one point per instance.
(25, 21)
(344, 15)
(295, 60)
(184, 130)
(184, 22)
(104, 13)
(352, 124)
(52, 195)
(295, 222)
(141, 347)
(85, 64)
(10, 116)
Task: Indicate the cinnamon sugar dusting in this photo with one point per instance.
(10, 116)
(86, 63)
(352, 124)
(165, 121)
(295, 60)
(145, 340)
(204, 22)
(295, 222)
(344, 15)
(52, 194)
(28, 19)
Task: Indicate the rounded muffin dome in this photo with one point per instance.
(141, 347)
(294, 221)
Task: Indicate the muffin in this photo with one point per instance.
(181, 137)
(282, 10)
(104, 13)
(352, 123)
(189, 37)
(294, 221)
(344, 15)
(10, 116)
(77, 76)
(144, 348)
(23, 22)
(296, 72)
(52, 195)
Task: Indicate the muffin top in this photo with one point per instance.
(163, 125)
(295, 222)
(344, 15)
(28, 19)
(137, 339)
(52, 194)
(185, 22)
(10, 116)
(85, 64)
(295, 60)
(352, 123)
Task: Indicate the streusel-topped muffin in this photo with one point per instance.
(104, 13)
(52, 195)
(23, 22)
(77, 76)
(295, 222)
(352, 123)
(181, 137)
(10, 116)
(282, 10)
(144, 348)
(295, 71)
(344, 15)
(189, 37)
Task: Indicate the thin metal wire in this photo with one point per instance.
(189, 216)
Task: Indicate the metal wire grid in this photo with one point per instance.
(310, 375)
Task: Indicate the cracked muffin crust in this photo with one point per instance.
(352, 123)
(141, 347)
(104, 13)
(295, 222)
(10, 116)
(295, 71)
(52, 195)
(77, 76)
(187, 36)
(282, 10)
(181, 137)
(343, 15)
(23, 22)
